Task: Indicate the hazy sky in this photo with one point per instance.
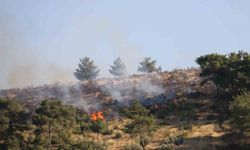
(41, 41)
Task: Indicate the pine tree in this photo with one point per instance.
(55, 122)
(142, 121)
(119, 68)
(86, 70)
(147, 65)
(230, 73)
(14, 119)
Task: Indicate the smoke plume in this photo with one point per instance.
(20, 65)
(130, 88)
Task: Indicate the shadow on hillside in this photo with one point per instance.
(207, 140)
(201, 143)
(211, 143)
(194, 107)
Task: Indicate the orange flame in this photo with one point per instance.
(97, 116)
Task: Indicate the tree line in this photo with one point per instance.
(87, 70)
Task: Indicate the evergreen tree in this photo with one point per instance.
(14, 119)
(142, 121)
(84, 121)
(230, 73)
(147, 65)
(213, 68)
(86, 70)
(119, 68)
(55, 122)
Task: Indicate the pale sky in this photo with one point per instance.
(41, 41)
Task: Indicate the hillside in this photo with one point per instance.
(182, 105)
(100, 94)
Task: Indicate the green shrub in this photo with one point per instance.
(142, 120)
(169, 140)
(240, 113)
(89, 145)
(98, 126)
(107, 132)
(145, 140)
(166, 147)
(132, 147)
(177, 140)
(118, 134)
(13, 142)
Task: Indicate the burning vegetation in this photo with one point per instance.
(181, 109)
(149, 89)
(97, 116)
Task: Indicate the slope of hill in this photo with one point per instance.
(149, 89)
(192, 116)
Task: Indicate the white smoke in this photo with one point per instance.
(132, 88)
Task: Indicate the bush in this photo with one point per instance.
(118, 134)
(166, 147)
(240, 113)
(173, 140)
(89, 145)
(14, 142)
(142, 120)
(178, 140)
(132, 147)
(145, 140)
(99, 126)
(107, 132)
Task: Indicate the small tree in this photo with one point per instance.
(98, 126)
(84, 121)
(86, 70)
(147, 65)
(119, 68)
(240, 112)
(142, 121)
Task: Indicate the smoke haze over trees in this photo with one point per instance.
(47, 47)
